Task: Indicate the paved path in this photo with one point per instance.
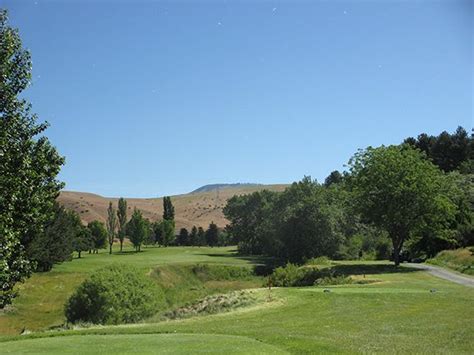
(443, 273)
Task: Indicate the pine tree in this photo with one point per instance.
(212, 235)
(193, 236)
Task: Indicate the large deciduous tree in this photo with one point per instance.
(28, 165)
(98, 235)
(398, 190)
(122, 220)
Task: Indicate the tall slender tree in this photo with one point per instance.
(122, 220)
(29, 165)
(168, 209)
(111, 225)
(137, 229)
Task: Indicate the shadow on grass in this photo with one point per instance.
(255, 259)
(367, 269)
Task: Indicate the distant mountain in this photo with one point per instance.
(213, 187)
(199, 208)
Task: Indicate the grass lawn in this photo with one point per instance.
(397, 313)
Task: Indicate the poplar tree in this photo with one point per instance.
(111, 225)
(122, 220)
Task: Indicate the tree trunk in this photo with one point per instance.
(110, 249)
(121, 243)
(79, 255)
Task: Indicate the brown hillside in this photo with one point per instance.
(198, 209)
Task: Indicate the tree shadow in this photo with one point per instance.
(368, 269)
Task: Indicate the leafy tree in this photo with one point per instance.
(167, 232)
(212, 235)
(111, 225)
(115, 294)
(156, 235)
(193, 236)
(82, 241)
(137, 229)
(183, 237)
(54, 245)
(29, 165)
(122, 220)
(98, 235)
(168, 209)
(201, 236)
(399, 191)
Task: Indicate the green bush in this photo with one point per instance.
(292, 275)
(321, 260)
(207, 272)
(333, 280)
(115, 294)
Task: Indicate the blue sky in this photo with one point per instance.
(147, 98)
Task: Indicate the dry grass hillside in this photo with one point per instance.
(198, 209)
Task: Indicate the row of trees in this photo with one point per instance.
(392, 201)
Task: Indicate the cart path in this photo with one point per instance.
(443, 273)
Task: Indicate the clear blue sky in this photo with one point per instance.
(147, 98)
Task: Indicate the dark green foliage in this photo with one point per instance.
(167, 233)
(29, 165)
(168, 209)
(137, 229)
(334, 178)
(82, 241)
(113, 295)
(122, 220)
(448, 151)
(193, 236)
(401, 192)
(183, 237)
(55, 244)
(98, 235)
(212, 235)
(201, 237)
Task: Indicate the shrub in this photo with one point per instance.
(292, 275)
(207, 272)
(115, 294)
(321, 260)
(333, 280)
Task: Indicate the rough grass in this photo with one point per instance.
(42, 297)
(461, 260)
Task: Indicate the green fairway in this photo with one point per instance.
(143, 344)
(403, 310)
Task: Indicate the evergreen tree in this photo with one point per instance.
(183, 237)
(122, 220)
(201, 237)
(55, 244)
(193, 236)
(212, 235)
(29, 165)
(111, 225)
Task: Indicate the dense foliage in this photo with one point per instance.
(55, 244)
(29, 165)
(115, 294)
(137, 229)
(401, 192)
(122, 220)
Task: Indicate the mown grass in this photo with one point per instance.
(461, 260)
(403, 311)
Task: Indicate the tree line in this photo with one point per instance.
(404, 201)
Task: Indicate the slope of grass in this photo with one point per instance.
(461, 260)
(405, 311)
(40, 304)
